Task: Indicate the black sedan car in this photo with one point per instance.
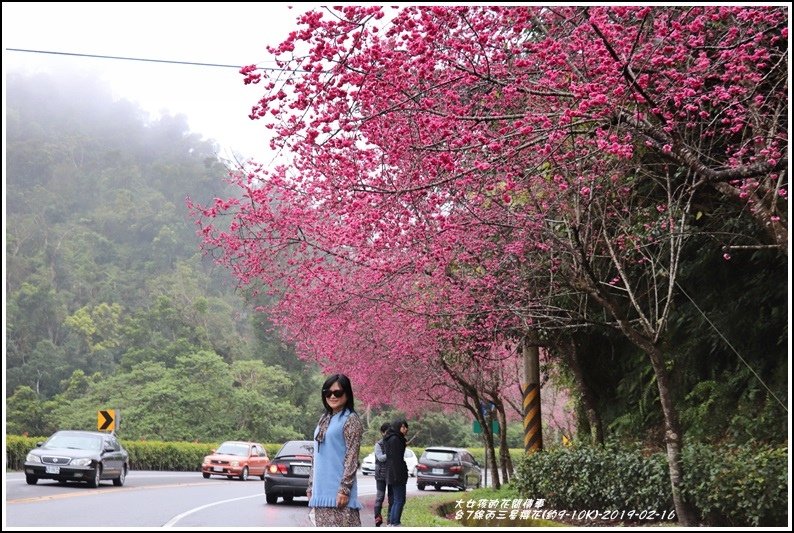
(447, 467)
(288, 474)
(88, 456)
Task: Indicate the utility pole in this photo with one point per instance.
(530, 389)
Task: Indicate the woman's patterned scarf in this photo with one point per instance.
(322, 426)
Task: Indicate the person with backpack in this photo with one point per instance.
(380, 477)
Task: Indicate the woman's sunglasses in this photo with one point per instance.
(335, 393)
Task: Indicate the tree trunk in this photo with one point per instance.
(490, 454)
(571, 356)
(673, 437)
(504, 451)
(673, 434)
(496, 481)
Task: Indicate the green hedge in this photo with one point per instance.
(17, 448)
(737, 486)
(150, 455)
(144, 455)
(479, 453)
(185, 456)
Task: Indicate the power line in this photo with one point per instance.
(731, 347)
(173, 62)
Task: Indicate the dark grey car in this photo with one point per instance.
(447, 467)
(287, 475)
(88, 456)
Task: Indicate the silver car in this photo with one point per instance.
(447, 467)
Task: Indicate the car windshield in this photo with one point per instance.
(438, 455)
(297, 447)
(408, 454)
(233, 449)
(75, 442)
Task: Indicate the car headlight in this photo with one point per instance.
(235, 463)
(83, 461)
(32, 458)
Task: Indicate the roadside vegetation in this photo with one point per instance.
(456, 509)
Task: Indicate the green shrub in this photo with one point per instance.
(17, 447)
(728, 486)
(737, 485)
(595, 478)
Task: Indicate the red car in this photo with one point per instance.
(236, 459)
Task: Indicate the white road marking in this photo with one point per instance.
(179, 517)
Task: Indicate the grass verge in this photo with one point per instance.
(433, 511)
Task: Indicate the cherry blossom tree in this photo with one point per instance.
(458, 176)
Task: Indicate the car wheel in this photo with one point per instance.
(229, 477)
(31, 480)
(97, 476)
(206, 475)
(438, 487)
(420, 486)
(244, 474)
(287, 499)
(119, 481)
(271, 498)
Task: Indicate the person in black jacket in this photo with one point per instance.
(396, 469)
(380, 477)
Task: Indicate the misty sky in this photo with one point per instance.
(214, 99)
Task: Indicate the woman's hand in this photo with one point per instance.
(341, 500)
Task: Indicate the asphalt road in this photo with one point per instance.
(162, 499)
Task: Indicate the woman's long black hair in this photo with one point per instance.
(395, 426)
(344, 382)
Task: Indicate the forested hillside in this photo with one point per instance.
(109, 301)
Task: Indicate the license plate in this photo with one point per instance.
(53, 469)
(217, 469)
(301, 470)
(438, 471)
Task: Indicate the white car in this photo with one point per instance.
(368, 465)
(411, 461)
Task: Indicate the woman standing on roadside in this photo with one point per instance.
(396, 469)
(333, 491)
